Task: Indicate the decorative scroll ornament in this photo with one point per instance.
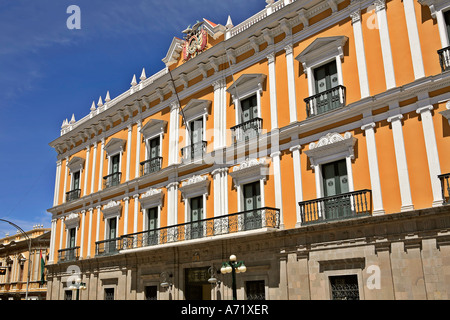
(195, 41)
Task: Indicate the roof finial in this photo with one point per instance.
(108, 98)
(93, 106)
(100, 102)
(143, 75)
(72, 121)
(134, 82)
(229, 23)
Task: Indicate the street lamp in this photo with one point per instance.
(78, 286)
(233, 267)
(29, 252)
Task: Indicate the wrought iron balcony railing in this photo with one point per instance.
(328, 100)
(247, 130)
(445, 187)
(343, 206)
(444, 58)
(107, 247)
(68, 254)
(73, 195)
(112, 180)
(151, 166)
(237, 222)
(194, 151)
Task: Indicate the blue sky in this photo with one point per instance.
(48, 73)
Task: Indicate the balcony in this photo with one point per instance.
(194, 151)
(328, 100)
(112, 180)
(69, 254)
(107, 247)
(444, 58)
(228, 224)
(445, 187)
(151, 166)
(247, 130)
(73, 195)
(339, 207)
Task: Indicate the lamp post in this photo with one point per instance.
(233, 267)
(29, 252)
(78, 286)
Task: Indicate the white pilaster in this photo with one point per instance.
(138, 147)
(136, 211)
(100, 174)
(61, 231)
(273, 91)
(173, 133)
(432, 151)
(295, 150)
(172, 203)
(217, 192)
(385, 44)
(89, 244)
(402, 166)
(360, 54)
(373, 168)
(125, 215)
(97, 231)
(86, 170)
(277, 184)
(219, 114)
(94, 163)
(83, 215)
(414, 41)
(57, 182)
(291, 82)
(52, 241)
(130, 131)
(66, 172)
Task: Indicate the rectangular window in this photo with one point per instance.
(154, 148)
(151, 293)
(152, 234)
(344, 287)
(72, 238)
(326, 98)
(111, 246)
(68, 295)
(335, 182)
(249, 109)
(252, 202)
(447, 23)
(196, 214)
(115, 162)
(76, 180)
(109, 293)
(255, 290)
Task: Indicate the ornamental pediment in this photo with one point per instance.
(330, 147)
(250, 170)
(76, 164)
(322, 49)
(153, 127)
(152, 198)
(115, 145)
(72, 220)
(112, 209)
(195, 186)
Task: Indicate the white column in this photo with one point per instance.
(125, 215)
(86, 170)
(442, 29)
(89, 245)
(385, 44)
(173, 133)
(172, 203)
(130, 130)
(373, 168)
(224, 176)
(414, 41)
(83, 215)
(57, 182)
(219, 114)
(138, 148)
(52, 241)
(136, 207)
(218, 192)
(295, 150)
(100, 174)
(273, 91)
(277, 184)
(61, 233)
(97, 231)
(360, 54)
(291, 83)
(94, 162)
(402, 166)
(432, 152)
(65, 179)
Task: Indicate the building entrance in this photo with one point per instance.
(197, 286)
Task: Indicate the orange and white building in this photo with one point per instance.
(312, 141)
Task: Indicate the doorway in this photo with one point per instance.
(197, 286)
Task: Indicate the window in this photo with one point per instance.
(196, 207)
(71, 244)
(68, 294)
(255, 290)
(151, 293)
(76, 165)
(344, 287)
(335, 182)
(447, 23)
(114, 149)
(152, 234)
(110, 246)
(252, 201)
(196, 113)
(153, 133)
(109, 293)
(76, 180)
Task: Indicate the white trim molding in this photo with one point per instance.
(446, 113)
(152, 198)
(72, 221)
(360, 53)
(414, 40)
(112, 209)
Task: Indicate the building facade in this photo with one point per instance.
(310, 141)
(20, 274)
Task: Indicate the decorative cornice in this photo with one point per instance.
(331, 146)
(195, 186)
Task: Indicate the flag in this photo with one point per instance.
(42, 269)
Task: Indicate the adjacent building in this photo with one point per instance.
(22, 261)
(312, 141)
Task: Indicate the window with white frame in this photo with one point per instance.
(322, 65)
(246, 94)
(195, 113)
(151, 204)
(114, 150)
(153, 133)
(76, 165)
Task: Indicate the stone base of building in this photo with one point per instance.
(394, 256)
